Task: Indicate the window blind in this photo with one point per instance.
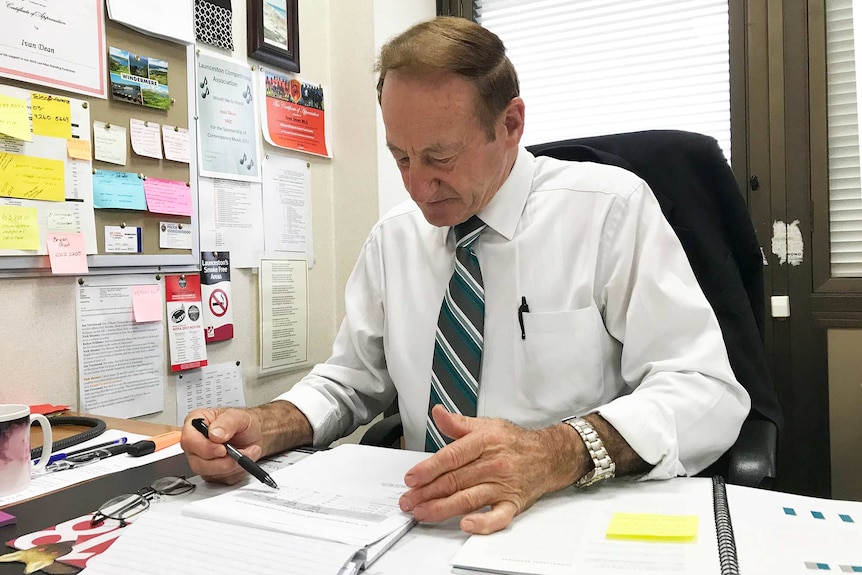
(845, 186)
(591, 67)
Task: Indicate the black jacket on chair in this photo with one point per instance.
(698, 194)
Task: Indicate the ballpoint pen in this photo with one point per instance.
(244, 461)
(58, 456)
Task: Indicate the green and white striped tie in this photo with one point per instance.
(458, 343)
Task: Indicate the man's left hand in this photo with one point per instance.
(495, 463)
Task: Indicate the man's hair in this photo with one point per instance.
(459, 46)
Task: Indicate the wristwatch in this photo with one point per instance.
(604, 465)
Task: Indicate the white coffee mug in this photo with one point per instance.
(15, 466)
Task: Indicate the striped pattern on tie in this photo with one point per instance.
(458, 341)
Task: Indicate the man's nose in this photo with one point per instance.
(421, 183)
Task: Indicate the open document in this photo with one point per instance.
(347, 495)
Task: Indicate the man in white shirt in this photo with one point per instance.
(601, 354)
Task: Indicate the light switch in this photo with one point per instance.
(780, 306)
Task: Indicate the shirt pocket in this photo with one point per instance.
(561, 363)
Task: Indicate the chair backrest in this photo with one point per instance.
(698, 194)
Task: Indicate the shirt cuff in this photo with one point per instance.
(317, 410)
(650, 431)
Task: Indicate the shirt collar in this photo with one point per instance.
(504, 210)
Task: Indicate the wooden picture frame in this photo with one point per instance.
(273, 32)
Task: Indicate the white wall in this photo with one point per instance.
(390, 18)
(38, 349)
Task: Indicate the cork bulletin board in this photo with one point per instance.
(116, 111)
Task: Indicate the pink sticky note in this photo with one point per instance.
(168, 197)
(146, 303)
(68, 253)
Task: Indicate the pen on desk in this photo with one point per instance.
(58, 456)
(522, 309)
(244, 462)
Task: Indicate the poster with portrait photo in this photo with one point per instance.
(139, 79)
(293, 115)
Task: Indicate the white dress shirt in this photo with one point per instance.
(617, 322)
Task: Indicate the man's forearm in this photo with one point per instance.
(626, 459)
(283, 427)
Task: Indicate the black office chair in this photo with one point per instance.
(699, 196)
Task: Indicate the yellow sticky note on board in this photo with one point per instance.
(19, 228)
(14, 120)
(78, 149)
(52, 115)
(32, 178)
(652, 527)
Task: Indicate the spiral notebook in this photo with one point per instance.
(620, 527)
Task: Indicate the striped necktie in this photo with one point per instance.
(458, 342)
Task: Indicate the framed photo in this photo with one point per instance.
(273, 33)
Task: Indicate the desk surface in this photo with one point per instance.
(83, 498)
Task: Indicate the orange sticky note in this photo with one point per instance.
(19, 228)
(68, 253)
(52, 115)
(146, 303)
(78, 149)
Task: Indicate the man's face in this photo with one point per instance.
(448, 166)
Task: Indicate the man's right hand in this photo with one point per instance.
(256, 432)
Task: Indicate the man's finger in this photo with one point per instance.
(453, 456)
(485, 522)
(448, 483)
(460, 503)
(452, 425)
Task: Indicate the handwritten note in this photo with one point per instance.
(19, 228)
(147, 303)
(109, 141)
(13, 118)
(78, 149)
(68, 253)
(168, 197)
(32, 178)
(176, 142)
(652, 527)
(123, 190)
(145, 138)
(52, 115)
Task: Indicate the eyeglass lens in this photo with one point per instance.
(127, 506)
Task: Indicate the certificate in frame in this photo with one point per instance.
(273, 32)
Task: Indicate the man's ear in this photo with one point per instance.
(513, 121)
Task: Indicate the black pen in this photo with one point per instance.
(522, 309)
(244, 462)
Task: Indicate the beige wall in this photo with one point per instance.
(38, 349)
(845, 411)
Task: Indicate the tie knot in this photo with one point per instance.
(467, 232)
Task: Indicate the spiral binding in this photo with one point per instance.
(724, 529)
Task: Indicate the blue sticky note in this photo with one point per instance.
(817, 515)
(122, 190)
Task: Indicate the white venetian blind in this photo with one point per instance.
(590, 67)
(845, 193)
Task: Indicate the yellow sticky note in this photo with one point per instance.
(19, 228)
(52, 115)
(13, 118)
(78, 149)
(32, 178)
(650, 527)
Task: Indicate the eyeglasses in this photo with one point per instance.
(123, 507)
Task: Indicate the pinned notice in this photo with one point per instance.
(68, 253)
(168, 197)
(19, 228)
(14, 120)
(147, 303)
(123, 190)
(52, 115)
(176, 142)
(652, 527)
(109, 142)
(32, 178)
(145, 138)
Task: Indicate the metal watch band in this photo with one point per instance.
(604, 465)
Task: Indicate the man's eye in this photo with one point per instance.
(405, 161)
(442, 161)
